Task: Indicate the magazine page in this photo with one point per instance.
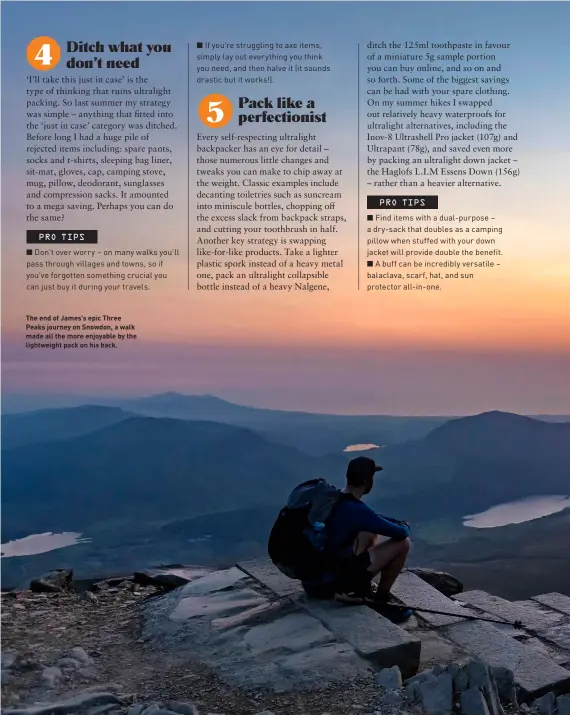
(285, 357)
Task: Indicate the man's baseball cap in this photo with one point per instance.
(361, 469)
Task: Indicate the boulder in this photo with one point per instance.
(443, 582)
(389, 678)
(53, 582)
(79, 704)
(69, 663)
(472, 702)
(182, 708)
(411, 687)
(78, 653)
(167, 577)
(563, 704)
(505, 683)
(546, 705)
(481, 677)
(51, 676)
(9, 658)
(436, 694)
(152, 709)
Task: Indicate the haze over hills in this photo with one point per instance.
(146, 467)
(52, 424)
(312, 433)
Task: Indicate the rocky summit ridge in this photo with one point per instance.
(246, 641)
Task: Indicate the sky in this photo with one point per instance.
(501, 341)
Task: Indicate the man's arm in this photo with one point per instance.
(396, 521)
(370, 521)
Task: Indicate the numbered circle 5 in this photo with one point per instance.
(43, 53)
(215, 111)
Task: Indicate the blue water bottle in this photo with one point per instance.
(320, 535)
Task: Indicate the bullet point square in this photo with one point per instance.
(369, 264)
(199, 45)
(370, 217)
(29, 252)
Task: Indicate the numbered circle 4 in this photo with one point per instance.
(43, 53)
(215, 111)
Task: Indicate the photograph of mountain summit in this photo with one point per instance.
(174, 478)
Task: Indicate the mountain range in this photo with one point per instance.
(312, 433)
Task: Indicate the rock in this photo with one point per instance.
(534, 674)
(563, 704)
(9, 658)
(436, 694)
(373, 637)
(443, 582)
(418, 594)
(103, 688)
(88, 596)
(182, 708)
(152, 709)
(389, 678)
(481, 677)
(168, 577)
(420, 677)
(412, 690)
(472, 702)
(435, 648)
(505, 683)
(215, 581)
(390, 701)
(556, 601)
(100, 586)
(88, 673)
(51, 676)
(102, 709)
(53, 582)
(69, 663)
(546, 705)
(6, 677)
(28, 664)
(136, 709)
(264, 571)
(78, 653)
(69, 707)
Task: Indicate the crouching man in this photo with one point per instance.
(365, 545)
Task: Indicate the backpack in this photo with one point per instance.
(298, 542)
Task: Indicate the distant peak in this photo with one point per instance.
(171, 395)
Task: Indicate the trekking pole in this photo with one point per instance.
(515, 624)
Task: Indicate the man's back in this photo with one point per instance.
(349, 518)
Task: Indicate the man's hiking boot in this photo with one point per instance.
(391, 611)
(357, 597)
(381, 597)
